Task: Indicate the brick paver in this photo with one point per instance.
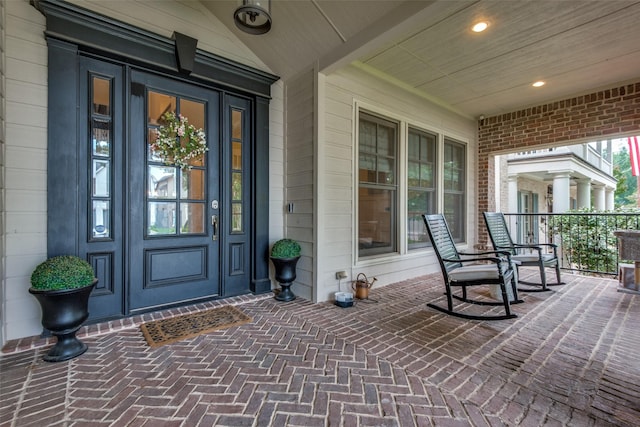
(570, 359)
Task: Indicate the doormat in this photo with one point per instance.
(167, 331)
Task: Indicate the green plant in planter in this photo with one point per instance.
(62, 272)
(285, 248)
(285, 254)
(62, 285)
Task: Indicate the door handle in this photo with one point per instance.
(214, 224)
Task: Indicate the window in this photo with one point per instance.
(432, 177)
(421, 185)
(454, 188)
(176, 198)
(378, 187)
(101, 157)
(236, 171)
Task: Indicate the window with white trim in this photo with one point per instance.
(377, 185)
(454, 187)
(432, 180)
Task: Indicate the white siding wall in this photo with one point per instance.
(276, 162)
(343, 90)
(24, 185)
(25, 172)
(25, 70)
(299, 163)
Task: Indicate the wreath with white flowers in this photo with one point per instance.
(178, 142)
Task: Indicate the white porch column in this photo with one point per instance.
(512, 206)
(609, 198)
(584, 193)
(561, 192)
(598, 197)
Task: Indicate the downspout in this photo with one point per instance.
(3, 157)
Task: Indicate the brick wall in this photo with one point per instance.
(607, 113)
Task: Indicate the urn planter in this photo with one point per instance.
(62, 285)
(285, 254)
(285, 275)
(63, 313)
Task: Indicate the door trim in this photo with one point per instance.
(90, 30)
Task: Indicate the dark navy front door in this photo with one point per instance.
(174, 216)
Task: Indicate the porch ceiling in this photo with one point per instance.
(576, 46)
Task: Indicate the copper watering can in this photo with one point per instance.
(361, 286)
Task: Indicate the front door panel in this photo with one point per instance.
(174, 229)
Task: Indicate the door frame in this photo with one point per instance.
(73, 32)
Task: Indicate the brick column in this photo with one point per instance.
(599, 115)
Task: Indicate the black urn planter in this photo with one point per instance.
(285, 275)
(63, 312)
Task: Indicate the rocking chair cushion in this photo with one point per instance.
(476, 272)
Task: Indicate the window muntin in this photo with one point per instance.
(377, 189)
(454, 187)
(421, 185)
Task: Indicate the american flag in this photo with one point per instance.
(634, 154)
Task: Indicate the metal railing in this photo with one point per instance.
(586, 242)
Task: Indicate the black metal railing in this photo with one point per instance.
(586, 242)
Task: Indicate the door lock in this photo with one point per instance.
(214, 204)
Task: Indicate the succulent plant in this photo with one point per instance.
(62, 272)
(285, 248)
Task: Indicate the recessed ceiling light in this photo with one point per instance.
(480, 27)
(539, 83)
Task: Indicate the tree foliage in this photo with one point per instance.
(587, 239)
(627, 186)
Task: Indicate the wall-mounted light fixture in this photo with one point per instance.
(253, 16)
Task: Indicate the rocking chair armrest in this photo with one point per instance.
(550, 245)
(527, 245)
(517, 246)
(483, 253)
(496, 260)
(539, 246)
(501, 253)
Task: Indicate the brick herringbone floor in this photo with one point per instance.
(571, 358)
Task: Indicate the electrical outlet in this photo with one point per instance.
(341, 275)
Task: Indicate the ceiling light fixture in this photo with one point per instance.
(539, 83)
(253, 16)
(480, 27)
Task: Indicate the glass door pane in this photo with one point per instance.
(175, 195)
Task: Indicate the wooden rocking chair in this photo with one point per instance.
(470, 269)
(533, 255)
